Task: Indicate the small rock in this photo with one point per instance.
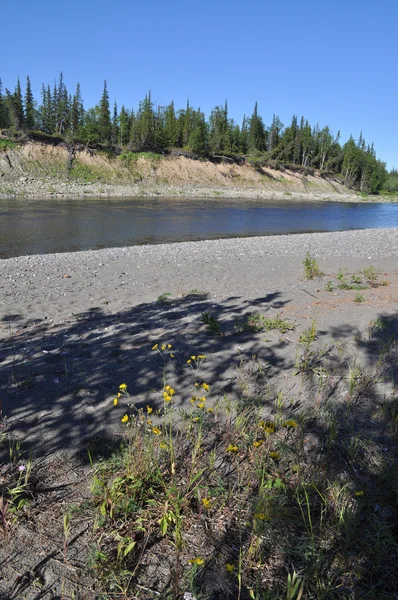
(66, 276)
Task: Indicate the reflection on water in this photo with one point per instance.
(41, 226)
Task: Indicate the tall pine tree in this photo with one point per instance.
(30, 112)
(105, 125)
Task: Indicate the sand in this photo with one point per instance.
(76, 325)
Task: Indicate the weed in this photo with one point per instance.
(164, 298)
(376, 326)
(212, 324)
(356, 278)
(257, 322)
(311, 268)
(308, 336)
(134, 156)
(359, 298)
(329, 286)
(6, 144)
(371, 276)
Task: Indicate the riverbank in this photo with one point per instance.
(38, 170)
(315, 359)
(64, 316)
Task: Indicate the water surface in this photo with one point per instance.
(41, 226)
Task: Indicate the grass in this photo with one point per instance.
(257, 322)
(233, 496)
(164, 298)
(234, 503)
(6, 144)
(86, 173)
(311, 268)
(367, 278)
(129, 157)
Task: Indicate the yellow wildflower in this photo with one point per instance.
(156, 431)
(203, 399)
(125, 419)
(232, 448)
(201, 356)
(163, 445)
(274, 455)
(269, 427)
(149, 409)
(171, 355)
(201, 405)
(149, 421)
(205, 386)
(189, 361)
(258, 443)
(359, 493)
(210, 410)
(163, 347)
(195, 419)
(169, 346)
(229, 567)
(155, 347)
(123, 387)
(206, 502)
(118, 394)
(115, 402)
(196, 561)
(193, 399)
(290, 423)
(193, 357)
(167, 397)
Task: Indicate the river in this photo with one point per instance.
(42, 226)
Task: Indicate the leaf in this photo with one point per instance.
(129, 548)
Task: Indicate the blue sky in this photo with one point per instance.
(335, 62)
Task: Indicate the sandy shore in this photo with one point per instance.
(75, 325)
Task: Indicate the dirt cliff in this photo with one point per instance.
(34, 169)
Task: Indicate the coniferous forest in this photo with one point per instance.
(153, 128)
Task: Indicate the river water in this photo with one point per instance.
(42, 226)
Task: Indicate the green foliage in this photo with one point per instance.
(257, 322)
(308, 336)
(164, 298)
(359, 298)
(152, 128)
(86, 173)
(105, 126)
(6, 144)
(311, 268)
(329, 286)
(371, 275)
(181, 472)
(212, 324)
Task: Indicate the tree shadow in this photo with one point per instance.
(58, 381)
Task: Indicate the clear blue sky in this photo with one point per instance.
(333, 62)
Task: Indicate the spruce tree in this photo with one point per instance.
(77, 112)
(18, 107)
(198, 137)
(256, 132)
(115, 125)
(62, 106)
(105, 125)
(124, 126)
(30, 112)
(170, 126)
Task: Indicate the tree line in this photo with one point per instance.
(155, 128)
